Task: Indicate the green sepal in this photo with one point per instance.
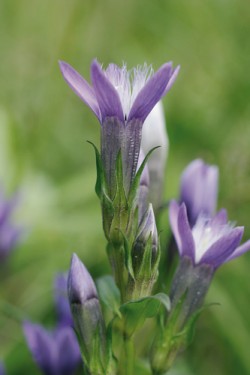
(136, 181)
(187, 334)
(101, 190)
(128, 258)
(97, 362)
(136, 312)
(101, 184)
(108, 293)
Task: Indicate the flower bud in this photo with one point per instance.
(154, 134)
(199, 189)
(87, 315)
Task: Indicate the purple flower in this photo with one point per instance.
(9, 234)
(2, 369)
(121, 100)
(199, 189)
(211, 241)
(56, 352)
(61, 300)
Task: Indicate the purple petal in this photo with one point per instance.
(61, 301)
(42, 347)
(239, 251)
(221, 250)
(81, 287)
(199, 185)
(80, 87)
(106, 94)
(173, 218)
(187, 241)
(69, 355)
(220, 218)
(172, 79)
(151, 93)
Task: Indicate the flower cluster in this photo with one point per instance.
(130, 169)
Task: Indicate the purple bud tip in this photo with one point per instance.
(148, 226)
(81, 287)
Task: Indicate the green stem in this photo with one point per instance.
(127, 363)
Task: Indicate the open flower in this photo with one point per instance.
(199, 189)
(121, 100)
(211, 241)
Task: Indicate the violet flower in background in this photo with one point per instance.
(55, 352)
(9, 233)
(2, 369)
(121, 100)
(199, 189)
(61, 300)
(154, 133)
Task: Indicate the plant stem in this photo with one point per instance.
(127, 362)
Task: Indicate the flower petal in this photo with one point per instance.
(81, 287)
(151, 93)
(68, 350)
(187, 240)
(106, 94)
(220, 218)
(80, 87)
(199, 185)
(42, 347)
(173, 219)
(221, 250)
(239, 251)
(172, 79)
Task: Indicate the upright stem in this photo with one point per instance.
(127, 362)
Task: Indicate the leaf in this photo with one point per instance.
(109, 293)
(136, 312)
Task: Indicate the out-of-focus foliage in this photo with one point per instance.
(43, 149)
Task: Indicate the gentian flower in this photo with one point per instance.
(211, 241)
(9, 233)
(154, 133)
(56, 352)
(61, 300)
(199, 189)
(205, 247)
(121, 100)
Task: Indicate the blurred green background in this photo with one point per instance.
(44, 154)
